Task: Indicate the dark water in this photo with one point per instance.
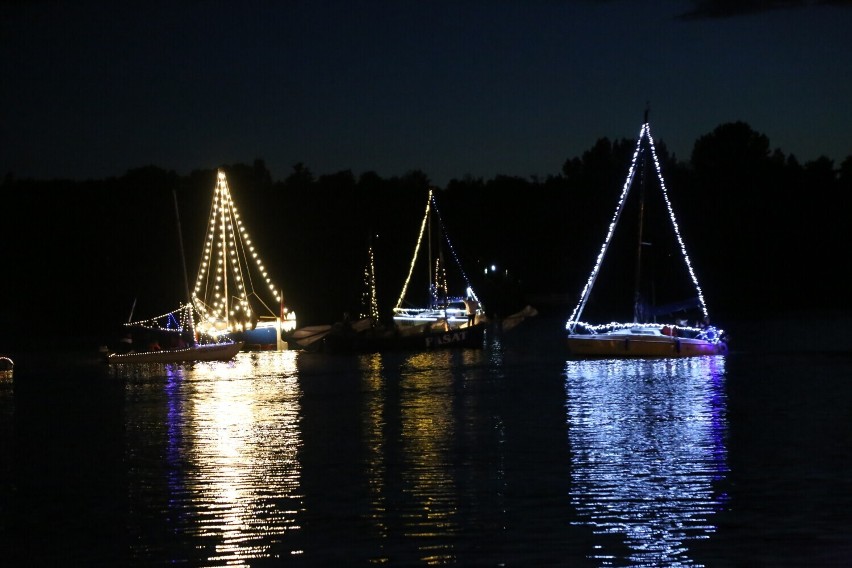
(513, 455)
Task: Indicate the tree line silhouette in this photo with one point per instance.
(766, 234)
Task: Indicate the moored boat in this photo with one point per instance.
(186, 342)
(188, 354)
(645, 336)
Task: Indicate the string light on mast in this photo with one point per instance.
(225, 280)
(573, 321)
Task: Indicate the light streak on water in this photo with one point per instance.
(647, 444)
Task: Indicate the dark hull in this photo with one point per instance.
(378, 341)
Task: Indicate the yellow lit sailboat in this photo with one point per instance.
(234, 304)
(234, 294)
(186, 343)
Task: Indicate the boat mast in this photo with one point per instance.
(224, 207)
(638, 312)
(432, 296)
(183, 263)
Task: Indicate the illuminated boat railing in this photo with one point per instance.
(707, 333)
(428, 314)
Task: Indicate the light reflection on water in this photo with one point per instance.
(231, 440)
(428, 435)
(410, 418)
(510, 457)
(647, 444)
(424, 458)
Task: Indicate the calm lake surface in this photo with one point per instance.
(513, 455)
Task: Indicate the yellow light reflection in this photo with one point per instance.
(243, 443)
(428, 434)
(373, 428)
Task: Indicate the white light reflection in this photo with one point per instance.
(242, 439)
(647, 445)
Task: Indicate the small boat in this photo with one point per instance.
(186, 342)
(188, 354)
(439, 304)
(313, 337)
(644, 336)
(308, 338)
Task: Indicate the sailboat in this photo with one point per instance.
(234, 294)
(183, 348)
(440, 307)
(645, 336)
(186, 342)
(367, 334)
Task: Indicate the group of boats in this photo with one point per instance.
(224, 313)
(444, 321)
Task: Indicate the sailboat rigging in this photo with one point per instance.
(234, 294)
(644, 336)
(441, 306)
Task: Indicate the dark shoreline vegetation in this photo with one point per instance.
(766, 235)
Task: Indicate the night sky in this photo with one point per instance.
(480, 88)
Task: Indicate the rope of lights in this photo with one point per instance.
(168, 322)
(709, 333)
(469, 288)
(440, 271)
(674, 223)
(369, 299)
(416, 252)
(587, 289)
(224, 271)
(572, 322)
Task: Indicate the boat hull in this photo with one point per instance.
(641, 346)
(209, 352)
(406, 340)
(258, 339)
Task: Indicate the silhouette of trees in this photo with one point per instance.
(765, 233)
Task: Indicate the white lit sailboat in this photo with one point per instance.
(641, 337)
